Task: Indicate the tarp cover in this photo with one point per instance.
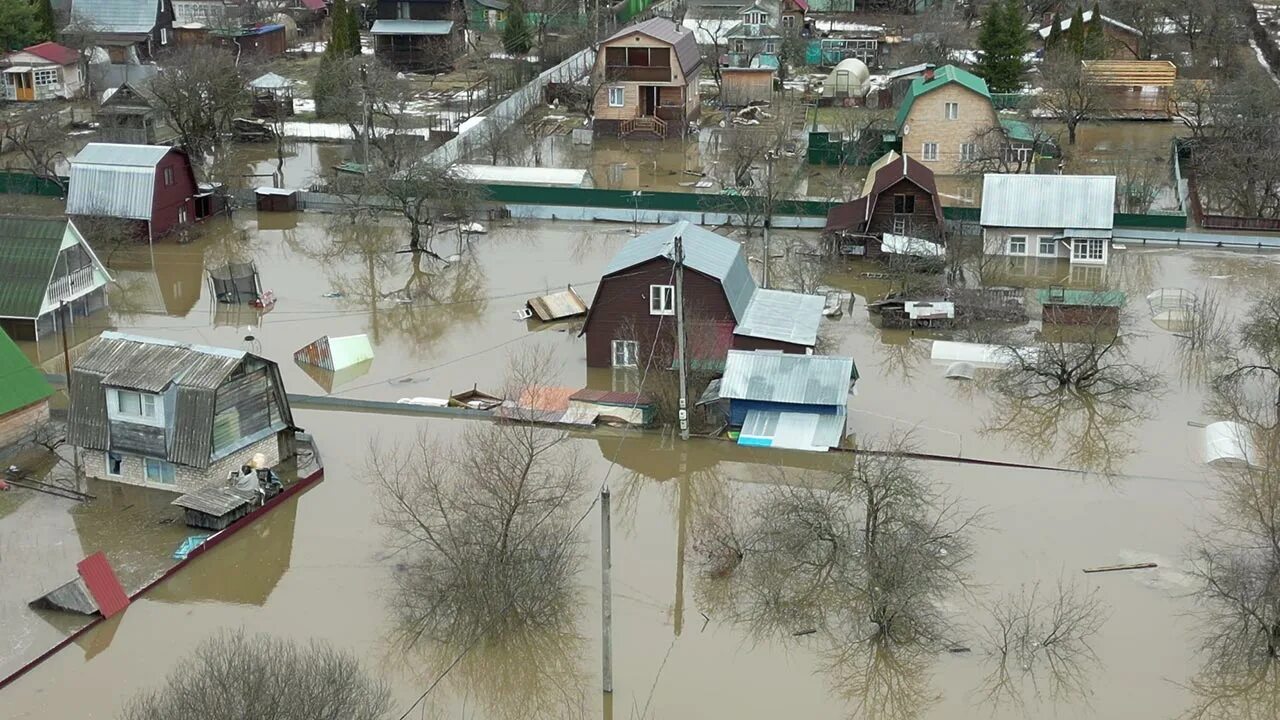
(1229, 443)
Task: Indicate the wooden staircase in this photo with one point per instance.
(647, 124)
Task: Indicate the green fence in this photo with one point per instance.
(1152, 222)
(22, 183)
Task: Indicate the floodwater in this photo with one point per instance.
(321, 567)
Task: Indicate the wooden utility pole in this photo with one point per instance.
(679, 299)
(768, 214)
(64, 313)
(606, 591)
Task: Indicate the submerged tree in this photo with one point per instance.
(200, 91)
(1246, 384)
(1071, 96)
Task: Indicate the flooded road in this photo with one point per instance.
(321, 566)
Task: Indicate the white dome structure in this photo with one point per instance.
(850, 78)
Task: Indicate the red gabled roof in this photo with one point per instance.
(54, 53)
(314, 5)
(802, 4)
(103, 584)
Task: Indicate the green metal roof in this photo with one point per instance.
(21, 384)
(1068, 296)
(1018, 130)
(28, 249)
(943, 76)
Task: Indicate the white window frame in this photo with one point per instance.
(1094, 250)
(150, 407)
(951, 110)
(739, 46)
(968, 152)
(1053, 246)
(770, 48)
(756, 18)
(629, 355)
(620, 95)
(182, 214)
(788, 21)
(662, 299)
(46, 77)
(900, 225)
(157, 477)
(108, 457)
(926, 154)
(1010, 242)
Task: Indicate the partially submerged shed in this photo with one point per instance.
(557, 306)
(781, 400)
(1070, 306)
(336, 353)
(622, 408)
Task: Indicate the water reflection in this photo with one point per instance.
(1226, 689)
(1079, 430)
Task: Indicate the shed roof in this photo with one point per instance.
(704, 251)
(115, 180)
(28, 249)
(943, 76)
(270, 81)
(53, 52)
(814, 432)
(411, 27)
(151, 364)
(1131, 73)
(681, 39)
(784, 378)
(1048, 201)
(1086, 298)
(117, 16)
(21, 384)
(784, 316)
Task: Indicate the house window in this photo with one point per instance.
(1017, 245)
(953, 111)
(182, 214)
(159, 472)
(136, 405)
(904, 204)
(1087, 249)
(625, 353)
(930, 151)
(615, 96)
(968, 152)
(788, 21)
(402, 11)
(115, 464)
(168, 176)
(770, 48)
(662, 300)
(1048, 246)
(46, 77)
(755, 18)
(164, 36)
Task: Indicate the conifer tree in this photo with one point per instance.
(46, 23)
(1095, 42)
(1002, 45)
(1076, 33)
(517, 36)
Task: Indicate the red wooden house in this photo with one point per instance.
(633, 315)
(898, 198)
(152, 185)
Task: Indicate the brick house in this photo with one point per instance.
(632, 317)
(899, 197)
(154, 186)
(943, 114)
(158, 413)
(647, 80)
(24, 394)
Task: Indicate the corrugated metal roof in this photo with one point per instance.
(115, 180)
(121, 155)
(815, 432)
(21, 384)
(945, 75)
(116, 16)
(1048, 201)
(270, 81)
(103, 584)
(151, 364)
(704, 251)
(784, 316)
(411, 27)
(28, 249)
(1073, 296)
(785, 378)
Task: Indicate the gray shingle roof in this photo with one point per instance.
(704, 251)
(783, 378)
(124, 17)
(1048, 201)
(682, 41)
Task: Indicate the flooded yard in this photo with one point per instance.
(687, 643)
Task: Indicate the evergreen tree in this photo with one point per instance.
(1002, 44)
(1055, 32)
(326, 84)
(17, 25)
(352, 28)
(517, 36)
(46, 22)
(344, 32)
(1095, 42)
(1076, 33)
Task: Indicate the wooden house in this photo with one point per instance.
(45, 264)
(159, 413)
(1123, 42)
(942, 116)
(127, 115)
(899, 198)
(24, 394)
(647, 76)
(42, 72)
(417, 35)
(261, 41)
(129, 30)
(632, 318)
(154, 186)
(1049, 216)
(1070, 306)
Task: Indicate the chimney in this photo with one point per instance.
(928, 73)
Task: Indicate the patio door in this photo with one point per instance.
(649, 99)
(23, 85)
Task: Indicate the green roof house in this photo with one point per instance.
(24, 394)
(944, 117)
(44, 263)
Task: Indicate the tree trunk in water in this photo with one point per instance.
(415, 237)
(1071, 131)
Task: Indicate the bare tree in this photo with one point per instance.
(1070, 96)
(200, 90)
(39, 137)
(1138, 182)
(1094, 361)
(424, 195)
(231, 676)
(995, 152)
(1246, 384)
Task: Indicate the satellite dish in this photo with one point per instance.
(906, 129)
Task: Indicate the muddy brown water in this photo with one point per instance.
(320, 567)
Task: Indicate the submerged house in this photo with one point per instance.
(159, 413)
(647, 75)
(633, 313)
(45, 264)
(24, 394)
(899, 198)
(153, 186)
(1049, 216)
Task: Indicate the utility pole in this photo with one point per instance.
(364, 106)
(64, 313)
(606, 591)
(679, 299)
(768, 213)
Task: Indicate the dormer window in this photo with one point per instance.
(137, 407)
(756, 18)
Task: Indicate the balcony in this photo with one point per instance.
(68, 286)
(638, 73)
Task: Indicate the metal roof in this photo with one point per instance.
(704, 251)
(945, 75)
(682, 40)
(784, 316)
(815, 432)
(271, 81)
(784, 378)
(115, 180)
(1048, 201)
(21, 384)
(103, 584)
(28, 249)
(152, 364)
(411, 27)
(1073, 296)
(117, 16)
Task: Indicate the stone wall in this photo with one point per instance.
(187, 479)
(18, 425)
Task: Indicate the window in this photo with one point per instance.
(739, 46)
(164, 36)
(615, 96)
(1087, 249)
(930, 151)
(1048, 246)
(182, 214)
(168, 176)
(159, 471)
(402, 11)
(770, 48)
(115, 464)
(968, 152)
(952, 110)
(788, 21)
(755, 18)
(135, 404)
(904, 204)
(1017, 245)
(46, 77)
(662, 300)
(625, 353)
